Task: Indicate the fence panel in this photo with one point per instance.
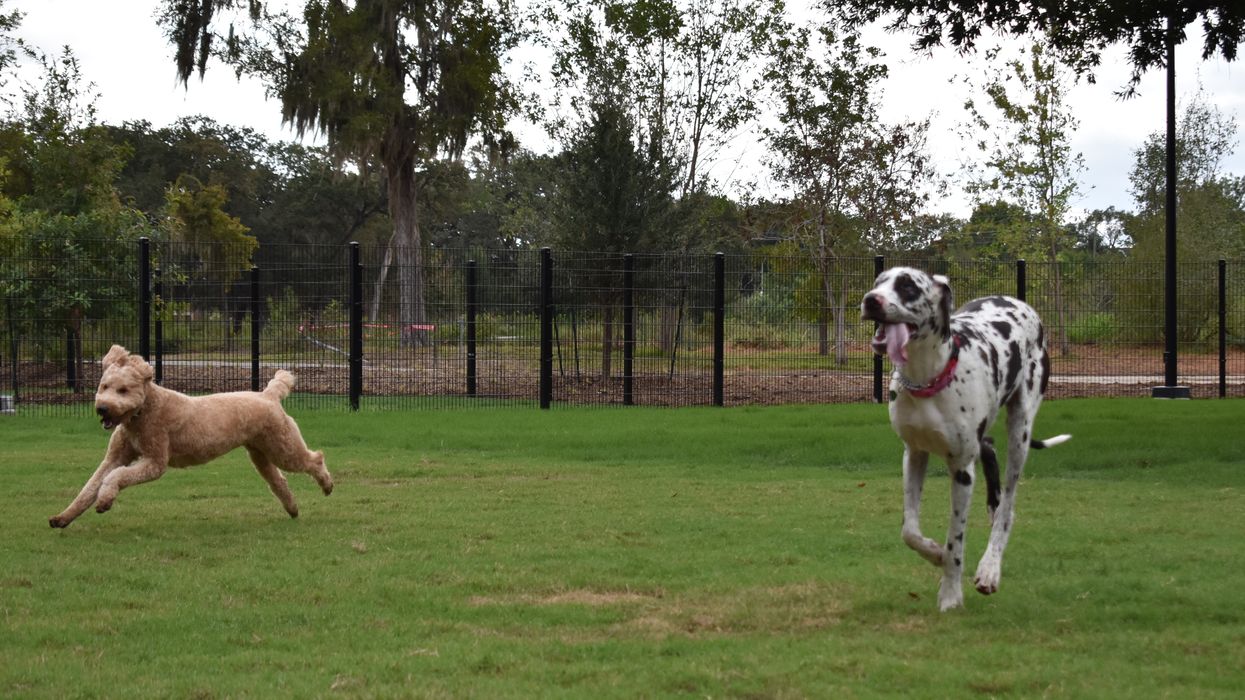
(65, 303)
(791, 331)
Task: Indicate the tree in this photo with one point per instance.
(853, 178)
(685, 64)
(1029, 159)
(612, 196)
(194, 215)
(398, 82)
(1210, 203)
(65, 236)
(237, 159)
(1078, 30)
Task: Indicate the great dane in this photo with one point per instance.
(953, 372)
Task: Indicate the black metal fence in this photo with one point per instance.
(549, 328)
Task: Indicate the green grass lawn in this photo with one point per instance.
(628, 553)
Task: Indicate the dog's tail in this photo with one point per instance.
(280, 385)
(1049, 442)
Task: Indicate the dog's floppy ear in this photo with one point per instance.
(140, 365)
(116, 355)
(946, 304)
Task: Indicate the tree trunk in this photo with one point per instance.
(669, 321)
(607, 342)
(408, 254)
(1060, 308)
(840, 321)
(823, 316)
(380, 281)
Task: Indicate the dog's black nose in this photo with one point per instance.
(101, 410)
(872, 304)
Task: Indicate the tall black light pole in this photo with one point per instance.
(1170, 390)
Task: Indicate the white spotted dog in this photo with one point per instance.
(953, 372)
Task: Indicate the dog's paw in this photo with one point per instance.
(103, 506)
(950, 595)
(986, 585)
(58, 522)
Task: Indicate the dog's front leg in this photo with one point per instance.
(148, 468)
(119, 454)
(915, 463)
(951, 591)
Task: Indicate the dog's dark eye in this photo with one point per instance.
(122, 390)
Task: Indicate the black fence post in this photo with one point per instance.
(719, 328)
(1021, 280)
(355, 361)
(628, 329)
(879, 263)
(1223, 328)
(158, 290)
(546, 327)
(144, 297)
(472, 301)
(254, 328)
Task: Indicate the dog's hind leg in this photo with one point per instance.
(1019, 428)
(951, 592)
(990, 469)
(118, 455)
(290, 452)
(915, 463)
(276, 480)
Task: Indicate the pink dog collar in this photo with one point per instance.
(942, 381)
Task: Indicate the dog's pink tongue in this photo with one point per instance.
(897, 342)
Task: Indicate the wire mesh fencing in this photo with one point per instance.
(374, 328)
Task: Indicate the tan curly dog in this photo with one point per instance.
(156, 428)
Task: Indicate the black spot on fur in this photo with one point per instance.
(1003, 327)
(1013, 367)
(963, 478)
(907, 290)
(974, 305)
(968, 333)
(990, 468)
(981, 430)
(1045, 370)
(945, 301)
(958, 562)
(994, 365)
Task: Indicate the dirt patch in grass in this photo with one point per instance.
(572, 597)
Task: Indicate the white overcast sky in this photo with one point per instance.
(123, 53)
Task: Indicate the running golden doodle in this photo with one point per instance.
(157, 428)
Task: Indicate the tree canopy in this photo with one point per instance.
(1078, 30)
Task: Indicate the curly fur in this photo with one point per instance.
(156, 428)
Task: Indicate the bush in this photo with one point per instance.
(1093, 328)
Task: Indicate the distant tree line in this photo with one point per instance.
(414, 99)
